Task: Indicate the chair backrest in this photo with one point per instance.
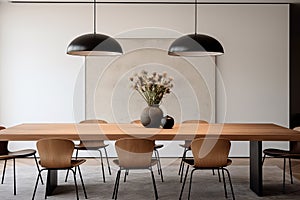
(210, 152)
(55, 153)
(134, 153)
(195, 121)
(295, 146)
(3, 145)
(137, 121)
(94, 121)
(88, 143)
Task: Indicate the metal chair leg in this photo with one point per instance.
(126, 173)
(36, 184)
(154, 185)
(263, 159)
(181, 163)
(116, 188)
(15, 187)
(291, 172)
(283, 185)
(76, 156)
(184, 180)
(190, 186)
(108, 166)
(228, 174)
(102, 166)
(75, 182)
(38, 168)
(159, 169)
(3, 173)
(219, 176)
(80, 175)
(224, 183)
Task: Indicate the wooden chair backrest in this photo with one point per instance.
(295, 146)
(210, 152)
(88, 143)
(137, 121)
(134, 153)
(3, 145)
(195, 121)
(93, 121)
(55, 153)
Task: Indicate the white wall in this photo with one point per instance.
(38, 79)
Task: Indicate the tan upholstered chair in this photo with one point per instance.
(94, 145)
(5, 155)
(156, 154)
(134, 154)
(293, 153)
(187, 146)
(56, 154)
(209, 154)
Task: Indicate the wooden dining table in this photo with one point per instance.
(254, 133)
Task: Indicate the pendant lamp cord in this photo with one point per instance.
(95, 12)
(196, 16)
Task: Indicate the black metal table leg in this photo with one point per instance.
(51, 182)
(256, 180)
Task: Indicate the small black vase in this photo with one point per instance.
(167, 122)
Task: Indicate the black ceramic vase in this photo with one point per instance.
(167, 122)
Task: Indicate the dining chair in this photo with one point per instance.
(187, 147)
(5, 155)
(292, 153)
(209, 154)
(156, 154)
(134, 154)
(56, 154)
(93, 145)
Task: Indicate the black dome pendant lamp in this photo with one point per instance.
(94, 44)
(196, 44)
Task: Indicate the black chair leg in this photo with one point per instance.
(102, 166)
(219, 175)
(154, 185)
(116, 187)
(108, 166)
(80, 175)
(181, 163)
(291, 172)
(159, 169)
(76, 156)
(228, 174)
(126, 174)
(38, 168)
(224, 183)
(263, 159)
(36, 184)
(3, 173)
(184, 180)
(283, 185)
(15, 187)
(75, 183)
(190, 186)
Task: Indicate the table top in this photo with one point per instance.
(231, 131)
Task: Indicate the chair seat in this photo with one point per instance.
(158, 146)
(18, 154)
(279, 153)
(190, 161)
(153, 162)
(74, 163)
